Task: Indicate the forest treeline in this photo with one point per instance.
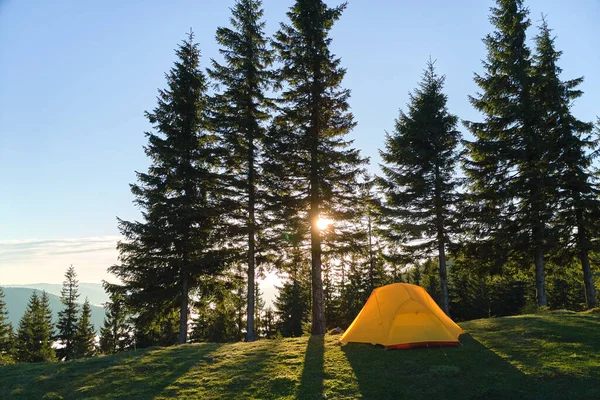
(39, 339)
(252, 170)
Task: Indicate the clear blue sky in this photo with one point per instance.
(76, 77)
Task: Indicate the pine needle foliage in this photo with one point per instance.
(68, 316)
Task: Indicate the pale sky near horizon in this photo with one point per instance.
(76, 77)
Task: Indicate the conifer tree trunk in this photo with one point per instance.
(441, 242)
(590, 290)
(582, 243)
(538, 250)
(443, 273)
(318, 306)
(540, 276)
(538, 223)
(371, 258)
(250, 335)
(115, 336)
(183, 314)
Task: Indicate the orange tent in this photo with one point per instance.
(401, 315)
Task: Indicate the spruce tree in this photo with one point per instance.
(116, 334)
(293, 302)
(175, 246)
(511, 188)
(269, 323)
(312, 169)
(25, 332)
(573, 154)
(259, 306)
(239, 115)
(371, 217)
(293, 307)
(67, 317)
(217, 315)
(240, 300)
(150, 329)
(84, 344)
(332, 289)
(34, 336)
(45, 328)
(6, 330)
(353, 289)
(419, 181)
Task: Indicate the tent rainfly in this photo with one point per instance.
(402, 316)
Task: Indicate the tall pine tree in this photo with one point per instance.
(509, 168)
(419, 182)
(239, 115)
(150, 329)
(370, 204)
(218, 317)
(175, 246)
(353, 288)
(294, 298)
(6, 330)
(292, 305)
(269, 323)
(116, 333)
(574, 153)
(84, 344)
(314, 166)
(240, 299)
(259, 307)
(34, 336)
(67, 317)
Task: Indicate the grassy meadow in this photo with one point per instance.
(547, 356)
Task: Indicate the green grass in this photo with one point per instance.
(550, 356)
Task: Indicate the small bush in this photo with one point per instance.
(543, 310)
(306, 328)
(530, 307)
(5, 359)
(276, 336)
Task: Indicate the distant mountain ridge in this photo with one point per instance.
(16, 299)
(93, 291)
(17, 296)
(97, 296)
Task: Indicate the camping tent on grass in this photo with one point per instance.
(402, 316)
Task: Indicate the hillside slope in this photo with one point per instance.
(16, 302)
(552, 356)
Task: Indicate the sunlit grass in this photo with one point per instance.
(550, 356)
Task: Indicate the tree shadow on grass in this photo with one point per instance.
(313, 375)
(255, 377)
(560, 353)
(131, 375)
(470, 371)
(242, 370)
(261, 370)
